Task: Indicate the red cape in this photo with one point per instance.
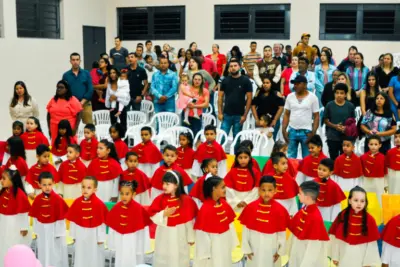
(210, 150)
(286, 186)
(373, 165)
(20, 164)
(148, 153)
(156, 181)
(185, 212)
(391, 232)
(308, 224)
(72, 172)
(214, 218)
(49, 209)
(61, 149)
(140, 177)
(255, 165)
(265, 218)
(241, 180)
(33, 139)
(309, 165)
(354, 234)
(197, 189)
(104, 169)
(269, 168)
(10, 205)
(88, 213)
(127, 219)
(348, 166)
(393, 159)
(33, 174)
(89, 149)
(185, 157)
(330, 193)
(121, 148)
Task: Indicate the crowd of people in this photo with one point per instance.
(188, 191)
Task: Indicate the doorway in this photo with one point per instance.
(94, 43)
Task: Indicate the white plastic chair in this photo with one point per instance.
(216, 109)
(135, 118)
(221, 135)
(80, 133)
(260, 141)
(208, 119)
(102, 132)
(208, 110)
(133, 134)
(102, 117)
(147, 107)
(164, 120)
(250, 122)
(171, 135)
(358, 113)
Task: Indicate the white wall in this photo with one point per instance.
(40, 63)
(200, 26)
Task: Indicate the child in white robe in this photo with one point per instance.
(391, 243)
(393, 163)
(309, 240)
(242, 181)
(129, 233)
(264, 227)
(87, 217)
(215, 234)
(354, 234)
(14, 208)
(48, 212)
(173, 212)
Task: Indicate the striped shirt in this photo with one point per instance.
(250, 59)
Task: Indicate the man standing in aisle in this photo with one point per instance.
(80, 84)
(119, 55)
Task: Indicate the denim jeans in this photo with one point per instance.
(276, 129)
(195, 124)
(297, 137)
(168, 106)
(233, 122)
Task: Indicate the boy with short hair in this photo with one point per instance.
(170, 155)
(309, 239)
(330, 194)
(71, 172)
(308, 167)
(393, 165)
(87, 217)
(48, 212)
(149, 155)
(374, 168)
(264, 227)
(286, 187)
(348, 169)
(89, 144)
(210, 149)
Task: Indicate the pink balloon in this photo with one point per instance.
(21, 256)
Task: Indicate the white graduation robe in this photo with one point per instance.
(215, 250)
(390, 255)
(393, 178)
(156, 192)
(6, 157)
(143, 198)
(10, 234)
(51, 243)
(87, 251)
(171, 243)
(108, 189)
(264, 247)
(56, 158)
(307, 253)
(375, 185)
(234, 197)
(148, 168)
(70, 191)
(329, 214)
(346, 184)
(222, 169)
(130, 249)
(355, 255)
(290, 205)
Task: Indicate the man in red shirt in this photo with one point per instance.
(207, 63)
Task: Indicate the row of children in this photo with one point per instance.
(352, 240)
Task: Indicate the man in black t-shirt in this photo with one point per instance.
(138, 84)
(234, 99)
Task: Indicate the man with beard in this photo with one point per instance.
(303, 71)
(268, 67)
(349, 60)
(234, 99)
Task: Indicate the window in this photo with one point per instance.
(252, 21)
(38, 18)
(153, 23)
(380, 22)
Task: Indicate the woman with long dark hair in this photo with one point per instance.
(100, 81)
(22, 105)
(236, 53)
(368, 94)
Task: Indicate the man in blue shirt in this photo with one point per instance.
(164, 86)
(80, 84)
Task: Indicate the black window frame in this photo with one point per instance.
(36, 25)
(359, 24)
(151, 30)
(252, 9)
